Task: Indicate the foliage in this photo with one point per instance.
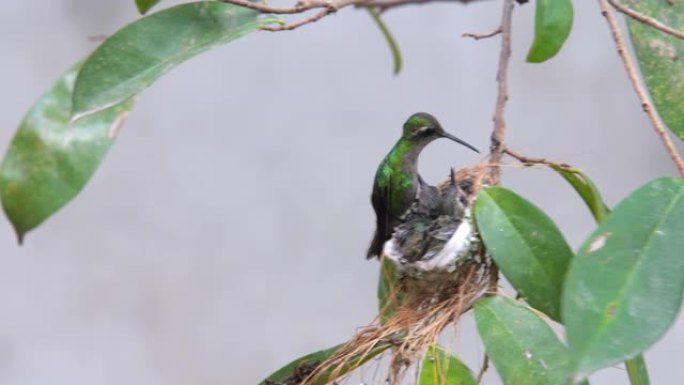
(659, 56)
(50, 158)
(440, 367)
(523, 347)
(552, 25)
(526, 245)
(613, 298)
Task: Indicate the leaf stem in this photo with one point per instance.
(391, 41)
(637, 371)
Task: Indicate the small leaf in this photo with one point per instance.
(660, 58)
(145, 5)
(624, 288)
(526, 245)
(552, 25)
(387, 34)
(389, 296)
(586, 189)
(522, 346)
(301, 368)
(439, 367)
(138, 54)
(49, 159)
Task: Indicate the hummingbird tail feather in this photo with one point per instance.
(375, 248)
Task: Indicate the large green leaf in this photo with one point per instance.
(552, 25)
(138, 54)
(145, 5)
(523, 348)
(439, 367)
(624, 288)
(660, 58)
(526, 245)
(299, 369)
(49, 159)
(586, 189)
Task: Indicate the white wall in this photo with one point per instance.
(225, 233)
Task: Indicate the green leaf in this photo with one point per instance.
(526, 245)
(49, 159)
(624, 288)
(660, 58)
(521, 345)
(145, 5)
(586, 189)
(387, 34)
(299, 369)
(636, 367)
(552, 25)
(136, 55)
(439, 367)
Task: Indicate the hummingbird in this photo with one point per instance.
(397, 183)
(430, 222)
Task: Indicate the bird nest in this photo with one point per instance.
(434, 268)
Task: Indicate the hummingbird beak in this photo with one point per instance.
(457, 140)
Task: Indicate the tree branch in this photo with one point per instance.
(651, 22)
(387, 4)
(299, 7)
(526, 160)
(478, 36)
(646, 104)
(296, 24)
(499, 132)
(325, 7)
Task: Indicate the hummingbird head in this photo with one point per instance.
(423, 128)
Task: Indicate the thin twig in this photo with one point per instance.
(478, 36)
(296, 24)
(325, 7)
(499, 132)
(646, 104)
(651, 22)
(529, 161)
(384, 5)
(299, 7)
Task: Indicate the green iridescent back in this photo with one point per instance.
(393, 176)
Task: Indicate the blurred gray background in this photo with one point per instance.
(225, 233)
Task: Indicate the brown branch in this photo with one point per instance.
(299, 7)
(478, 36)
(530, 161)
(499, 132)
(384, 5)
(646, 104)
(296, 24)
(325, 7)
(651, 22)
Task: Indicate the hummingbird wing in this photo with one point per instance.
(383, 231)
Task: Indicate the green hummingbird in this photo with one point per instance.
(397, 182)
